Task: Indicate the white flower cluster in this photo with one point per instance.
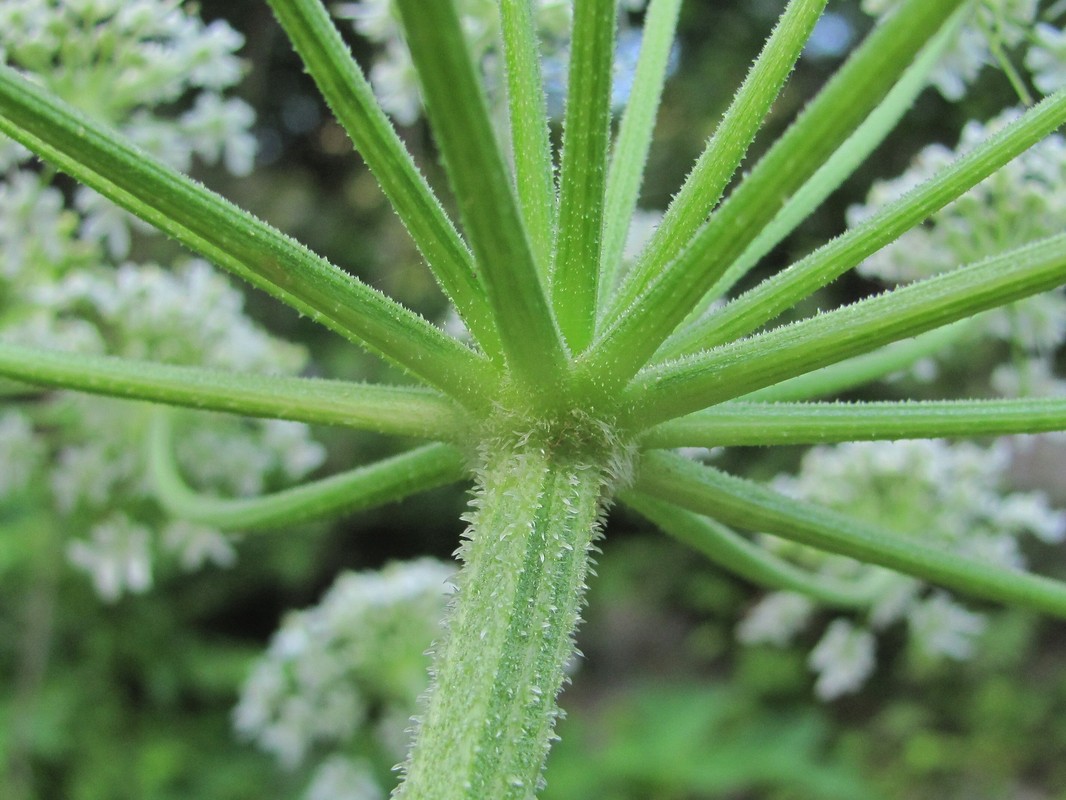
(953, 496)
(345, 671)
(117, 60)
(393, 74)
(991, 30)
(1021, 202)
(59, 289)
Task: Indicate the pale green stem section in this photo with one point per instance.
(860, 370)
(492, 220)
(725, 150)
(583, 172)
(635, 331)
(745, 424)
(386, 481)
(678, 388)
(236, 240)
(490, 713)
(346, 90)
(528, 116)
(385, 409)
(783, 290)
(747, 505)
(848, 157)
(630, 152)
(745, 558)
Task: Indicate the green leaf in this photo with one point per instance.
(386, 481)
(342, 84)
(236, 240)
(680, 387)
(385, 409)
(745, 424)
(489, 210)
(747, 505)
(583, 173)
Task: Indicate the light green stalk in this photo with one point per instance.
(491, 710)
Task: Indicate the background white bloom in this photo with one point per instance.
(351, 666)
(990, 25)
(156, 72)
(954, 496)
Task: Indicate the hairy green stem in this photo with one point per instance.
(491, 711)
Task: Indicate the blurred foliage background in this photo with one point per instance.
(134, 700)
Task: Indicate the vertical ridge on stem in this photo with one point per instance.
(490, 715)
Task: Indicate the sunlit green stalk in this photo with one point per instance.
(725, 150)
(848, 157)
(857, 371)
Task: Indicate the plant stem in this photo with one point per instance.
(490, 713)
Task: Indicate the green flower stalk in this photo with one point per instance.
(581, 370)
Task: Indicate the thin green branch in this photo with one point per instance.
(744, 423)
(630, 151)
(837, 168)
(858, 371)
(583, 172)
(235, 240)
(346, 90)
(489, 210)
(385, 409)
(749, 506)
(745, 558)
(785, 289)
(528, 116)
(639, 325)
(681, 387)
(386, 481)
(725, 150)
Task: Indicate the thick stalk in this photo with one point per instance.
(489, 716)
